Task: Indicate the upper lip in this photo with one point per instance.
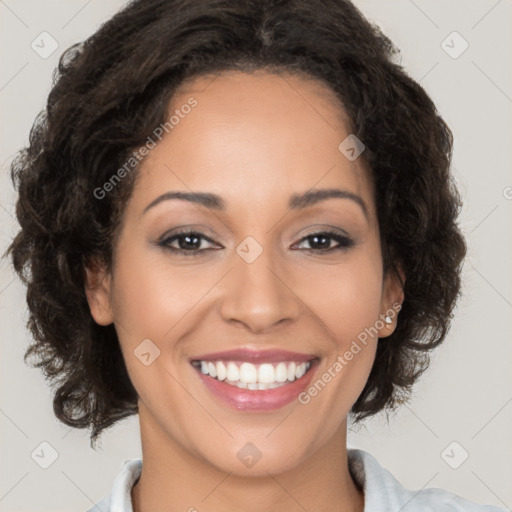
(255, 356)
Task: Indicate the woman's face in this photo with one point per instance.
(257, 275)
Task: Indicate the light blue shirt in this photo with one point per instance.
(382, 491)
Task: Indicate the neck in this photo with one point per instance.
(172, 479)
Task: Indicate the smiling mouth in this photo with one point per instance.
(254, 377)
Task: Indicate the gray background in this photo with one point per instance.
(465, 397)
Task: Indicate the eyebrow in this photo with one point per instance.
(296, 202)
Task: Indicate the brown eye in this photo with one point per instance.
(321, 241)
(188, 242)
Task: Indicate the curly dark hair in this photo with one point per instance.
(110, 92)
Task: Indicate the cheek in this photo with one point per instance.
(347, 300)
(346, 297)
(150, 306)
(150, 297)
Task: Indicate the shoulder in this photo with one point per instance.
(383, 492)
(119, 499)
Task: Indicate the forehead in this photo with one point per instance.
(254, 135)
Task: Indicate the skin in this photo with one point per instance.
(253, 139)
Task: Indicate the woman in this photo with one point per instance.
(238, 222)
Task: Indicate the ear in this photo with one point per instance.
(391, 303)
(97, 291)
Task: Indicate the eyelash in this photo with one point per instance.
(343, 241)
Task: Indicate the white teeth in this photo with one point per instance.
(254, 377)
(266, 373)
(232, 372)
(248, 373)
(255, 385)
(212, 370)
(281, 372)
(291, 371)
(221, 371)
(300, 370)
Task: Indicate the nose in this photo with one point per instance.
(257, 296)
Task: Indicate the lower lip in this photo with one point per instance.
(256, 400)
